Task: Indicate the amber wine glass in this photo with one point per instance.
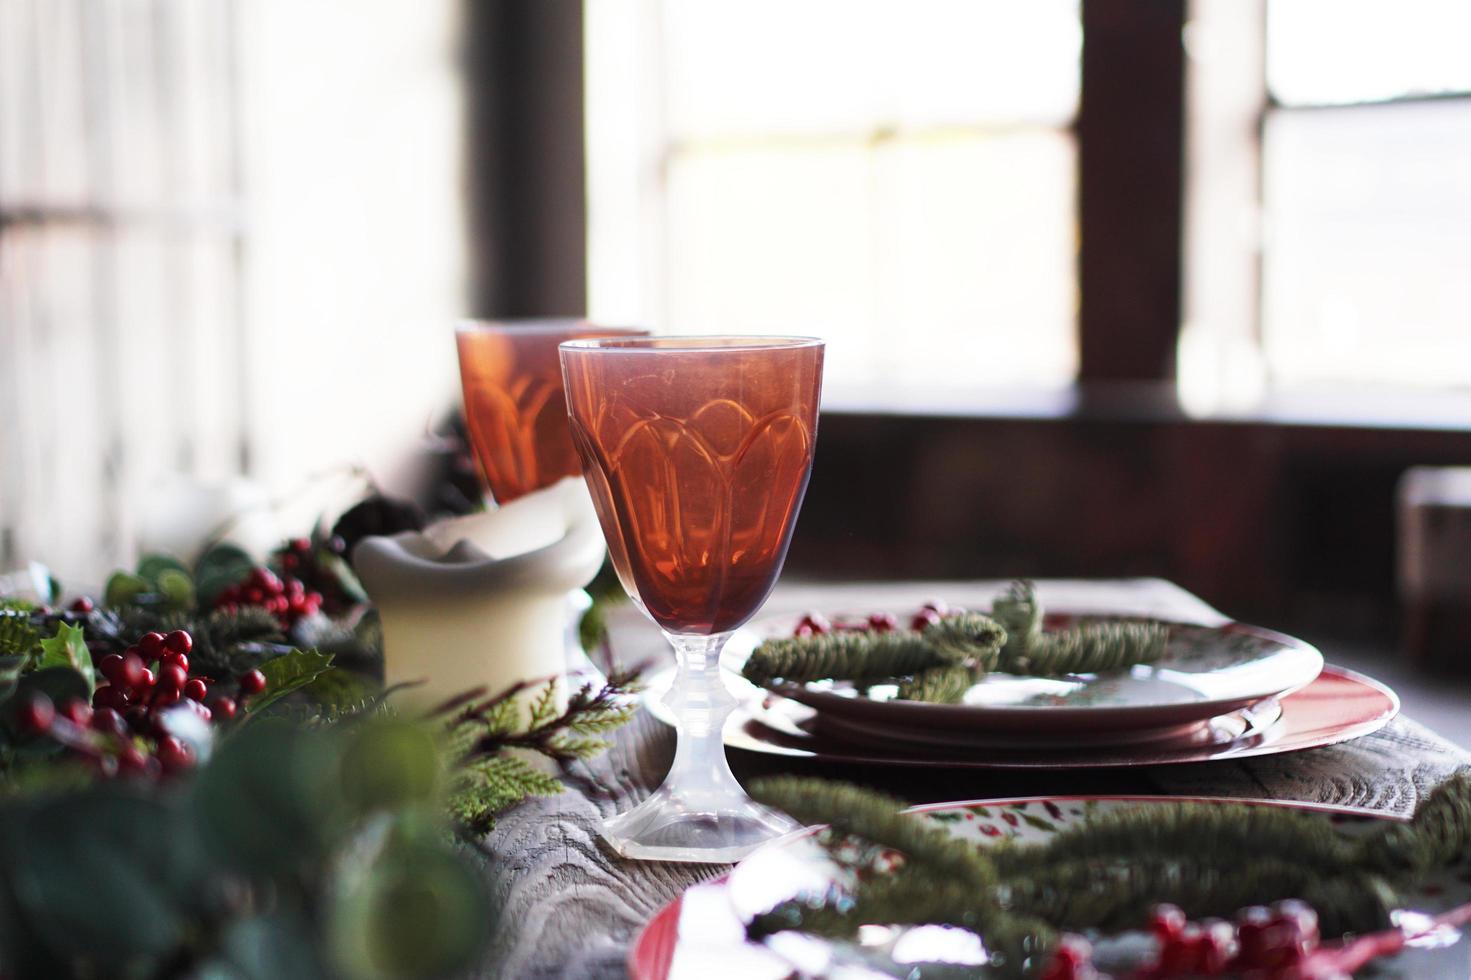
(512, 383)
(697, 452)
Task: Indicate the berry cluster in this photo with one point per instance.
(1263, 943)
(300, 559)
(816, 624)
(287, 599)
(123, 730)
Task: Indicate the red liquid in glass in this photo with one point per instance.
(514, 407)
(697, 458)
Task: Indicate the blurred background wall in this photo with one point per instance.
(1110, 287)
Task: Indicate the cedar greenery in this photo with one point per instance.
(494, 749)
(1107, 872)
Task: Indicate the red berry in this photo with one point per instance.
(195, 689)
(177, 660)
(174, 754)
(882, 622)
(200, 710)
(151, 645)
(1166, 921)
(110, 696)
(132, 673)
(82, 604)
(111, 667)
(36, 714)
(290, 562)
(131, 759)
(179, 642)
(163, 697)
(146, 681)
(252, 682)
(78, 712)
(108, 720)
(1072, 959)
(923, 618)
(223, 707)
(301, 545)
(813, 623)
(171, 677)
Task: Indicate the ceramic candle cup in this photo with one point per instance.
(482, 600)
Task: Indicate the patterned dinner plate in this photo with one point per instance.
(702, 933)
(1206, 672)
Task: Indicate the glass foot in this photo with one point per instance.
(670, 826)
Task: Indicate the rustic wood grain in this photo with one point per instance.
(570, 907)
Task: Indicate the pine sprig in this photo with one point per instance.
(18, 637)
(850, 655)
(938, 685)
(963, 638)
(1087, 649)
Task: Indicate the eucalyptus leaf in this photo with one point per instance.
(123, 588)
(418, 913)
(267, 802)
(68, 648)
(98, 876)
(390, 765)
(219, 568)
(177, 587)
(151, 568)
(275, 947)
(287, 673)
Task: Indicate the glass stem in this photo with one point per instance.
(701, 703)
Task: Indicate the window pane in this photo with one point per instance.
(842, 65)
(1341, 51)
(895, 178)
(1368, 243)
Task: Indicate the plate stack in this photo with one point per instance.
(1222, 691)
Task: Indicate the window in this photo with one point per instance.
(227, 228)
(1330, 197)
(1366, 186)
(899, 179)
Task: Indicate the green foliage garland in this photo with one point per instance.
(1107, 872)
(940, 663)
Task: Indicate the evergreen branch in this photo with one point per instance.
(484, 734)
(878, 818)
(848, 654)
(938, 685)
(1091, 648)
(18, 638)
(1437, 836)
(1222, 833)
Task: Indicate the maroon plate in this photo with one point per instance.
(1338, 706)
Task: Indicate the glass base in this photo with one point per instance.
(671, 826)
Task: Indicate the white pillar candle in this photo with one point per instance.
(482, 600)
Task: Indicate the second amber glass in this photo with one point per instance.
(514, 409)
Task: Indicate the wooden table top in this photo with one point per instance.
(571, 907)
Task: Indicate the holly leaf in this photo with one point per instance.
(287, 673)
(68, 649)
